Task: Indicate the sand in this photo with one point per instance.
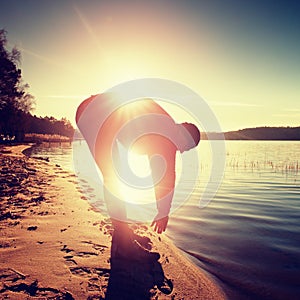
(54, 246)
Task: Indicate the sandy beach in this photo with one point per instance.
(54, 246)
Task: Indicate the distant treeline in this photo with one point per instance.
(257, 133)
(16, 126)
(50, 125)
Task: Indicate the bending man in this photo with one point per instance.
(144, 127)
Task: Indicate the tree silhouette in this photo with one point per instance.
(50, 125)
(15, 102)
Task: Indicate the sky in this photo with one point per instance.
(241, 57)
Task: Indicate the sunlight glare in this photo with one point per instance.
(139, 165)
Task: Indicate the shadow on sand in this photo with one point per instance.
(136, 272)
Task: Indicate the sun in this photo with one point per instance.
(130, 187)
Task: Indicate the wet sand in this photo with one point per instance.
(54, 246)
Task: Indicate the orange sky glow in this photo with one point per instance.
(79, 48)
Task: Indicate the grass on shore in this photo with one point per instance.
(39, 138)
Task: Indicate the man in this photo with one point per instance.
(144, 127)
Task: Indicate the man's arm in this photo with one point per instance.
(163, 173)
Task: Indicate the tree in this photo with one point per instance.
(15, 102)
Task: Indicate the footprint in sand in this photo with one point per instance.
(5, 244)
(86, 254)
(97, 247)
(100, 282)
(81, 271)
(70, 258)
(93, 285)
(97, 280)
(66, 249)
(97, 277)
(13, 284)
(105, 227)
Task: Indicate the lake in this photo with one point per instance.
(248, 236)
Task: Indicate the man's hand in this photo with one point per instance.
(160, 225)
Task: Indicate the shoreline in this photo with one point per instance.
(52, 244)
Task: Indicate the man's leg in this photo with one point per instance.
(112, 195)
(124, 241)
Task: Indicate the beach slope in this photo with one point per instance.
(54, 246)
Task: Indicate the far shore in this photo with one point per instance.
(54, 246)
(264, 133)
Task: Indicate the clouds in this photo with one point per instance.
(234, 104)
(291, 114)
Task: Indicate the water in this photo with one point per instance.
(248, 237)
